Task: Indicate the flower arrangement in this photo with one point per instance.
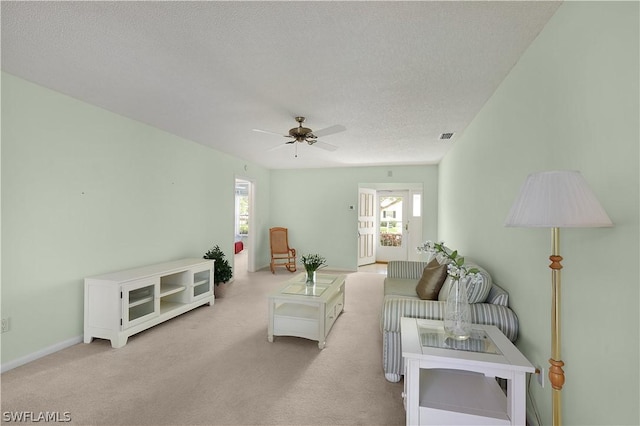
(455, 263)
(313, 262)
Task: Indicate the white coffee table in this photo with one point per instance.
(299, 310)
(449, 382)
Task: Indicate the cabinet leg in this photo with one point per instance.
(119, 342)
(270, 338)
(322, 344)
(88, 339)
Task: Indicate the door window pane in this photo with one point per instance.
(417, 205)
(390, 221)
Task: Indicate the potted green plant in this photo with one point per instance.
(222, 271)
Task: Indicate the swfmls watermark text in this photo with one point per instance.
(36, 416)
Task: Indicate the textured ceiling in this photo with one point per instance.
(395, 74)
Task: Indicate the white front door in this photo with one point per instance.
(366, 226)
(393, 225)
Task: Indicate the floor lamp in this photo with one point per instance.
(556, 199)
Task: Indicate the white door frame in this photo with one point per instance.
(416, 224)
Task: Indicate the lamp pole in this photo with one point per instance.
(556, 374)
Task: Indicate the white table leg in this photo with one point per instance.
(412, 397)
(270, 321)
(516, 399)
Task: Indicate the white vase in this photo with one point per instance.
(457, 313)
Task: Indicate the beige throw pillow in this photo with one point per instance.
(432, 279)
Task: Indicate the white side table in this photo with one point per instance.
(448, 382)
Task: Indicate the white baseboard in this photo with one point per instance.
(39, 354)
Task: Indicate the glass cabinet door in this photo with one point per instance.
(140, 302)
(202, 284)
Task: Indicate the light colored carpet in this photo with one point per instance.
(214, 366)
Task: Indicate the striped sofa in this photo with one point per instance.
(401, 300)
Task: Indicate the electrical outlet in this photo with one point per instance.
(5, 324)
(540, 375)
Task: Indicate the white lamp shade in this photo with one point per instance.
(557, 199)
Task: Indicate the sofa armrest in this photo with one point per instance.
(396, 307)
(498, 296)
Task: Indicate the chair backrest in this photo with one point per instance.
(279, 240)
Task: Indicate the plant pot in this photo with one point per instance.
(220, 289)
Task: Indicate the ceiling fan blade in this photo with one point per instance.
(269, 132)
(277, 147)
(329, 130)
(324, 145)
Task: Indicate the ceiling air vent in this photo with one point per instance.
(446, 136)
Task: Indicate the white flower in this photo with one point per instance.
(445, 256)
(442, 258)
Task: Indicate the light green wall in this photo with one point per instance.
(314, 205)
(86, 191)
(570, 103)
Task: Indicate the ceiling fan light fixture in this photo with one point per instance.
(304, 134)
(300, 134)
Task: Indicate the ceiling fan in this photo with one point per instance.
(305, 134)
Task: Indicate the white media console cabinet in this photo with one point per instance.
(120, 304)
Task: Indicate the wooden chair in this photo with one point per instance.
(281, 253)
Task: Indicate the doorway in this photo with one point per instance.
(244, 225)
(392, 214)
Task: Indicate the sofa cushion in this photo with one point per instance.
(400, 287)
(477, 290)
(431, 281)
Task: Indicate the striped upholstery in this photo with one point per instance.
(497, 296)
(404, 269)
(396, 307)
(495, 311)
(478, 289)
